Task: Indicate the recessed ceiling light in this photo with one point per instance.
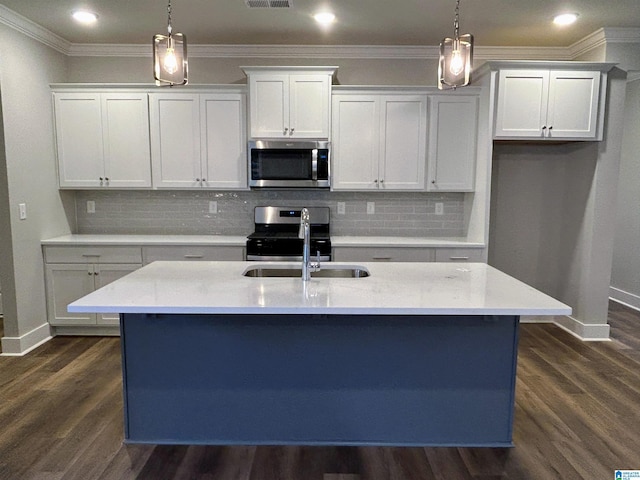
(84, 16)
(324, 18)
(565, 19)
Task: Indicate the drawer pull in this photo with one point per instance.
(90, 254)
(458, 258)
(193, 256)
(381, 259)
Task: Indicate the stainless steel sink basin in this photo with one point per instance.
(326, 271)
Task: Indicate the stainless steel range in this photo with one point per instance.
(276, 234)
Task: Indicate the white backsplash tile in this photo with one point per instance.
(187, 212)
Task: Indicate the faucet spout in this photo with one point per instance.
(305, 234)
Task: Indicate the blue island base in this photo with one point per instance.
(319, 379)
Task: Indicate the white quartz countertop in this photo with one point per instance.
(80, 239)
(391, 289)
(240, 240)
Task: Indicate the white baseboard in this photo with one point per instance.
(18, 346)
(626, 298)
(588, 332)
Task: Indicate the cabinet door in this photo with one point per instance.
(310, 104)
(105, 274)
(453, 126)
(573, 104)
(79, 139)
(66, 283)
(355, 142)
(224, 154)
(125, 128)
(522, 103)
(175, 140)
(269, 106)
(403, 143)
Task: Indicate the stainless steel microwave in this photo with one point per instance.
(289, 164)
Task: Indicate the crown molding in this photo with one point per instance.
(602, 37)
(31, 29)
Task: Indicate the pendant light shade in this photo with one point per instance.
(456, 58)
(170, 66)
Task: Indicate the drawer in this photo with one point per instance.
(383, 254)
(92, 254)
(460, 255)
(192, 252)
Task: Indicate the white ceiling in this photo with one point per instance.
(359, 22)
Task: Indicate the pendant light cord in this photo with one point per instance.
(169, 17)
(456, 22)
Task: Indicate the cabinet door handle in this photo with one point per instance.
(375, 181)
(458, 258)
(381, 259)
(90, 254)
(292, 131)
(286, 129)
(193, 256)
(382, 181)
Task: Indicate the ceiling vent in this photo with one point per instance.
(269, 3)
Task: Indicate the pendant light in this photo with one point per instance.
(456, 57)
(170, 56)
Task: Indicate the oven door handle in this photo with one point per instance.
(314, 164)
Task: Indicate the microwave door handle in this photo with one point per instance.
(314, 164)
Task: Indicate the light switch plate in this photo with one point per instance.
(22, 209)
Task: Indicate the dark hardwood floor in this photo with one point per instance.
(577, 417)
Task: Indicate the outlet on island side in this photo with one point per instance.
(213, 207)
(91, 206)
(341, 208)
(439, 208)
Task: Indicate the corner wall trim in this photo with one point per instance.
(626, 298)
(19, 346)
(588, 332)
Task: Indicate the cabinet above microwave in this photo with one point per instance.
(289, 102)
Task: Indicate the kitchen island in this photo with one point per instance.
(412, 354)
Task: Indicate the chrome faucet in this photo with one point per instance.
(305, 234)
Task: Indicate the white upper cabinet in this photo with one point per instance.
(453, 127)
(102, 139)
(198, 140)
(224, 140)
(289, 102)
(379, 141)
(548, 104)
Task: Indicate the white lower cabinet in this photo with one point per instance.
(383, 254)
(73, 272)
(460, 255)
(192, 253)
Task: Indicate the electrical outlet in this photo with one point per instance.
(439, 208)
(371, 208)
(22, 209)
(91, 206)
(213, 206)
(341, 208)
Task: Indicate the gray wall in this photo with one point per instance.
(227, 70)
(27, 175)
(625, 275)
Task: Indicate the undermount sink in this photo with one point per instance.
(326, 271)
